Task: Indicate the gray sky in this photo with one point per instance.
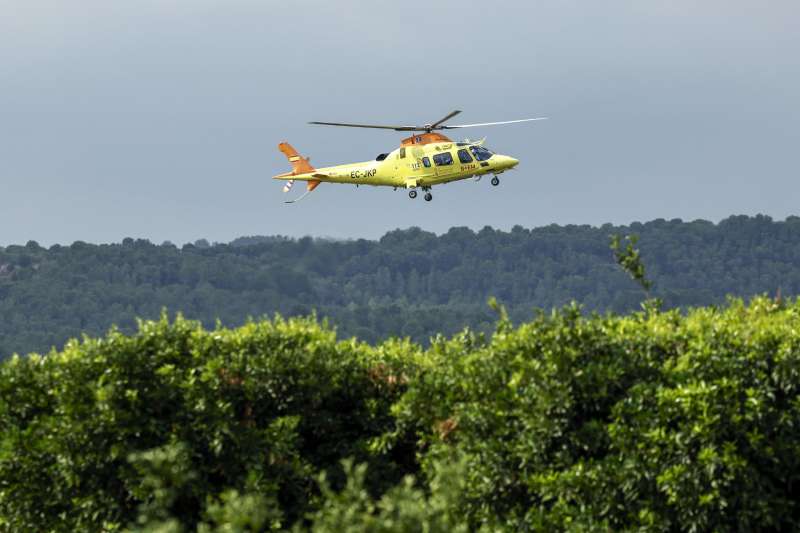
(160, 119)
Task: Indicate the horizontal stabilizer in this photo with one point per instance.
(310, 177)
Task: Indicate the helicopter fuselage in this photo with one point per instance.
(415, 165)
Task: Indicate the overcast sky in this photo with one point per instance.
(160, 119)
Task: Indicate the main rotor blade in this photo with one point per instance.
(489, 123)
(445, 119)
(374, 126)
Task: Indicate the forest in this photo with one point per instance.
(409, 283)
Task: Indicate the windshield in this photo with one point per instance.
(481, 153)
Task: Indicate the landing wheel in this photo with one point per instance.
(412, 194)
(428, 197)
(495, 181)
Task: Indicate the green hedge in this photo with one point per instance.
(653, 421)
(262, 408)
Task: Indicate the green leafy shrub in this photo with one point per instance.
(657, 421)
(402, 509)
(653, 420)
(262, 408)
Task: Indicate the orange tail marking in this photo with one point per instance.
(300, 164)
(312, 184)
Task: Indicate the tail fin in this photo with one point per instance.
(300, 164)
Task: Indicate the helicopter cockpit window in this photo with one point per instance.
(426, 162)
(445, 158)
(481, 153)
(381, 157)
(464, 156)
(402, 153)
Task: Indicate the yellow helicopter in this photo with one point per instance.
(423, 160)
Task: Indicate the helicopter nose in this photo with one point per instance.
(509, 162)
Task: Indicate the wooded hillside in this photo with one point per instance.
(408, 283)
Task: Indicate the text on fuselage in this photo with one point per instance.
(355, 174)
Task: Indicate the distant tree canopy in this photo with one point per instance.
(408, 283)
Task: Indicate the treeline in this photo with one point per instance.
(655, 421)
(408, 283)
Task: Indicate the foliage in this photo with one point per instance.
(155, 424)
(630, 260)
(403, 508)
(654, 420)
(408, 283)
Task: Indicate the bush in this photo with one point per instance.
(654, 421)
(261, 408)
(402, 509)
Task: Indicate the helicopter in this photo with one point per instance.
(425, 159)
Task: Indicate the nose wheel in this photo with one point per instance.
(428, 197)
(412, 194)
(495, 181)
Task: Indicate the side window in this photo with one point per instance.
(402, 153)
(464, 156)
(443, 159)
(426, 162)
